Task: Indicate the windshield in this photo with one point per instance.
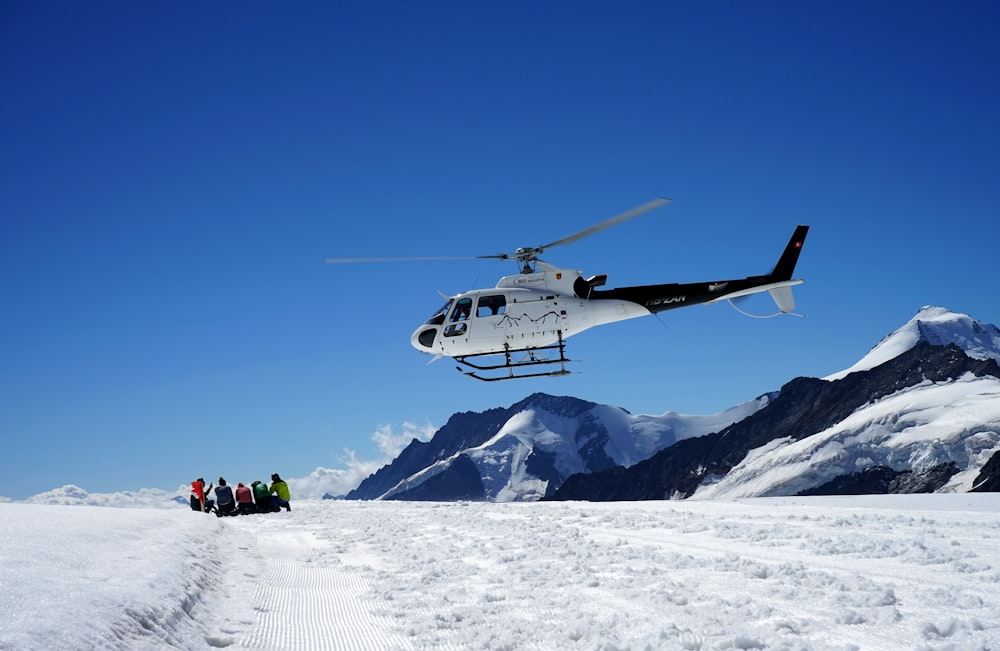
(438, 317)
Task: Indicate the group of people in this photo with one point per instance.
(258, 497)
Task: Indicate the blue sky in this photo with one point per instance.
(175, 174)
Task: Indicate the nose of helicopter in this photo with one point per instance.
(423, 338)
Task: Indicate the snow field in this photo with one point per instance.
(878, 572)
(782, 574)
(101, 578)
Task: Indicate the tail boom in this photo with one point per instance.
(779, 283)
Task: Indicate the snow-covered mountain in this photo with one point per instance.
(949, 429)
(526, 451)
(919, 412)
(938, 326)
(944, 431)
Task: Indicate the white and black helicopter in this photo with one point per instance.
(519, 328)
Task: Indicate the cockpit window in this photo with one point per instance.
(438, 317)
(491, 305)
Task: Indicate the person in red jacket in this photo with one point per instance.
(199, 496)
(244, 499)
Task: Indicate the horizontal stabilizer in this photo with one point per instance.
(780, 291)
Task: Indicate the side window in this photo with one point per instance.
(463, 308)
(458, 321)
(491, 305)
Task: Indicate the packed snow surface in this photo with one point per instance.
(886, 572)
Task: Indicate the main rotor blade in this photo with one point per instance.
(417, 259)
(528, 253)
(635, 212)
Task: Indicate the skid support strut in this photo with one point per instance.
(539, 357)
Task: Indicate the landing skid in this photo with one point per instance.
(530, 357)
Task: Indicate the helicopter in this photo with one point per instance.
(519, 328)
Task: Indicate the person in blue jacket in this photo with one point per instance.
(224, 500)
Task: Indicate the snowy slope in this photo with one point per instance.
(916, 429)
(938, 326)
(535, 449)
(811, 574)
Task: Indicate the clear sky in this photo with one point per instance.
(175, 174)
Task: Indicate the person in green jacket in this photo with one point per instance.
(280, 494)
(262, 497)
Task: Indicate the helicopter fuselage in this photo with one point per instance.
(523, 311)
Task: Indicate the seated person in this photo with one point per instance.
(262, 496)
(244, 499)
(226, 503)
(279, 494)
(199, 494)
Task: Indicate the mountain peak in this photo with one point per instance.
(935, 325)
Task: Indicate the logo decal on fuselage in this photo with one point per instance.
(532, 279)
(666, 300)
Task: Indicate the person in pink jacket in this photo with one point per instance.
(244, 499)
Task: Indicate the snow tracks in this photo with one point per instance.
(309, 593)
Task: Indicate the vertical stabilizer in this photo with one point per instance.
(786, 263)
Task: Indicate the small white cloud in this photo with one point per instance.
(340, 481)
(142, 498)
(392, 444)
